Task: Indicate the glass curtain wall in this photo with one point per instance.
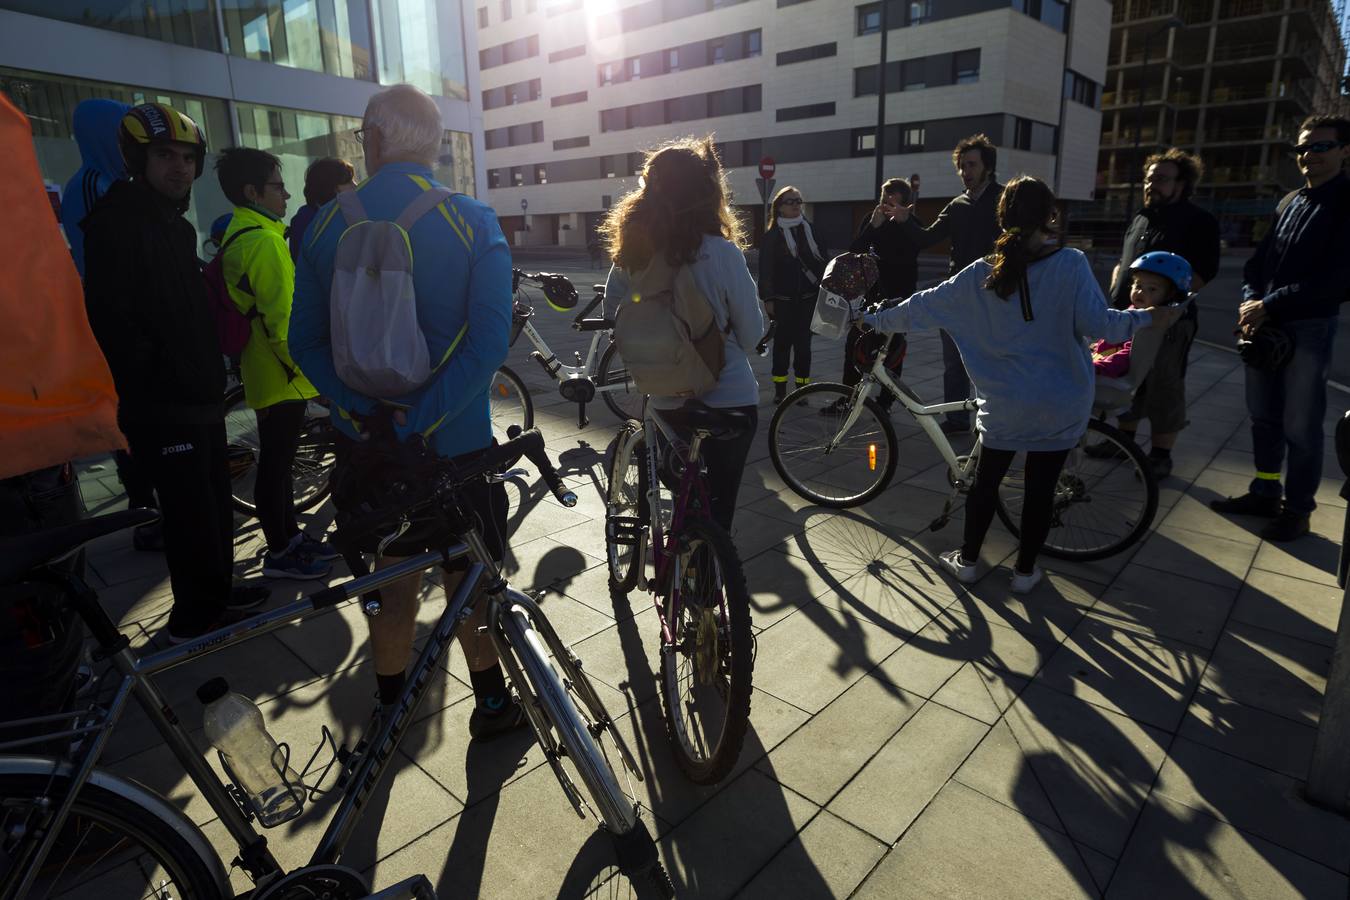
(191, 23)
(330, 36)
(421, 42)
(49, 102)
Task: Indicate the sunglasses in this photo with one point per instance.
(1317, 147)
(795, 201)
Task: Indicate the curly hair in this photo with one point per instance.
(1027, 205)
(1189, 167)
(980, 142)
(682, 196)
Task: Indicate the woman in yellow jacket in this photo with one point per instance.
(260, 277)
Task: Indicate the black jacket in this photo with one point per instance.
(148, 307)
(1302, 266)
(1181, 228)
(780, 275)
(972, 226)
(898, 257)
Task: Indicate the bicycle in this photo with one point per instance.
(846, 453)
(602, 375)
(52, 805)
(707, 649)
(509, 404)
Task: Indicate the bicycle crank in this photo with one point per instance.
(323, 882)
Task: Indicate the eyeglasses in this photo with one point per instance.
(279, 185)
(794, 201)
(1317, 147)
(360, 135)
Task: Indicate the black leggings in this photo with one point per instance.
(1042, 473)
(273, 487)
(792, 338)
(726, 463)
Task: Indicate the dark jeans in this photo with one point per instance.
(792, 338)
(187, 465)
(725, 461)
(273, 488)
(1287, 408)
(1042, 473)
(37, 668)
(955, 381)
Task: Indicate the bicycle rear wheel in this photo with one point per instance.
(315, 454)
(626, 401)
(624, 524)
(819, 460)
(109, 848)
(1102, 505)
(706, 674)
(509, 403)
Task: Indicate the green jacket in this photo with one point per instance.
(259, 273)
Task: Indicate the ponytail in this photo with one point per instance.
(1026, 206)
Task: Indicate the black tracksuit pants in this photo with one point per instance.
(187, 465)
(274, 489)
(792, 338)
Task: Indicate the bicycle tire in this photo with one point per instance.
(507, 385)
(120, 818)
(624, 498)
(797, 466)
(1125, 488)
(628, 403)
(729, 686)
(311, 471)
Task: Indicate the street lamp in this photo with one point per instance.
(1167, 26)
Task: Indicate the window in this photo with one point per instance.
(804, 54)
(565, 99)
(717, 50)
(1022, 133)
(419, 43)
(864, 141)
(810, 111)
(513, 136)
(569, 53)
(517, 176)
(1052, 12)
(911, 139)
(1036, 137)
(920, 11)
(572, 143)
(540, 174)
(511, 94)
(609, 166)
(191, 23)
(512, 51)
(730, 101)
(285, 32)
(869, 19)
(915, 74)
(633, 68)
(673, 59)
(494, 178)
(1081, 90)
(754, 41)
(506, 10)
(606, 74)
(482, 17)
(606, 201)
(966, 66)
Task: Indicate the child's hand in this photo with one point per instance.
(1166, 316)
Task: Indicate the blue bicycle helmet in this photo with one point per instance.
(1170, 266)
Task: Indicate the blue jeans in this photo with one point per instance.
(1287, 408)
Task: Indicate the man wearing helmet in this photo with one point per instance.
(1171, 223)
(148, 307)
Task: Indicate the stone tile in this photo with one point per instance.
(980, 693)
(1144, 678)
(1196, 556)
(1255, 735)
(1193, 514)
(901, 598)
(440, 746)
(1169, 606)
(828, 852)
(1048, 614)
(1270, 671)
(841, 544)
(967, 633)
(780, 585)
(626, 656)
(825, 753)
(921, 669)
(1176, 851)
(1070, 766)
(847, 647)
(753, 533)
(968, 846)
(1301, 609)
(893, 788)
(1311, 558)
(1255, 800)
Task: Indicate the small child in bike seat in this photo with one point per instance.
(1157, 279)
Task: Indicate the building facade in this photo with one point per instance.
(573, 93)
(1229, 80)
(288, 76)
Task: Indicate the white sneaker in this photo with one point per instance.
(1022, 584)
(963, 571)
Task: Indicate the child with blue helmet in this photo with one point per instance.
(1157, 278)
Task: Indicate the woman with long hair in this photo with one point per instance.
(680, 212)
(1020, 318)
(791, 263)
(324, 179)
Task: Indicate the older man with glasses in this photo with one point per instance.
(1293, 286)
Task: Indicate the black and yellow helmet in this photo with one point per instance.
(154, 123)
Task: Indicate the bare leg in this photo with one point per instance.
(479, 650)
(391, 632)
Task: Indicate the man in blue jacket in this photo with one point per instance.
(462, 279)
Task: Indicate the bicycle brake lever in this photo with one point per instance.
(403, 526)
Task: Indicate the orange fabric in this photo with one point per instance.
(57, 401)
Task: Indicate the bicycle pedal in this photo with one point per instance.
(939, 523)
(624, 531)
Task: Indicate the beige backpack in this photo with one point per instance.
(667, 333)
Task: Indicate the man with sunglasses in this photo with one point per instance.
(1296, 282)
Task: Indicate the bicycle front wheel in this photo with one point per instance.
(621, 395)
(1104, 502)
(315, 454)
(706, 672)
(624, 526)
(109, 847)
(509, 404)
(821, 460)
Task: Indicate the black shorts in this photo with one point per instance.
(356, 484)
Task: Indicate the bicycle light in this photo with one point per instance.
(872, 457)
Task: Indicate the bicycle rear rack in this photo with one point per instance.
(626, 531)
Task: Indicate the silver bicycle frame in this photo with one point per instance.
(565, 372)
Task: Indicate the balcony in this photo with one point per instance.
(1231, 52)
(1239, 93)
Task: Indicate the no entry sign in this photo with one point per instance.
(767, 167)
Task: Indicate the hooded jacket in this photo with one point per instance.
(148, 307)
(95, 125)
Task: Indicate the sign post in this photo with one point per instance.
(765, 182)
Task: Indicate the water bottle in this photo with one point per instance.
(235, 727)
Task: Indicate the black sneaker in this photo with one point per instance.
(1248, 504)
(228, 617)
(779, 391)
(485, 725)
(1161, 466)
(1106, 450)
(1287, 527)
(248, 596)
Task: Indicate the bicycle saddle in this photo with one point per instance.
(596, 324)
(696, 415)
(20, 555)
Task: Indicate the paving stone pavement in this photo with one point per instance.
(1137, 727)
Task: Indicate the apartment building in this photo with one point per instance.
(1229, 80)
(573, 92)
(288, 76)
